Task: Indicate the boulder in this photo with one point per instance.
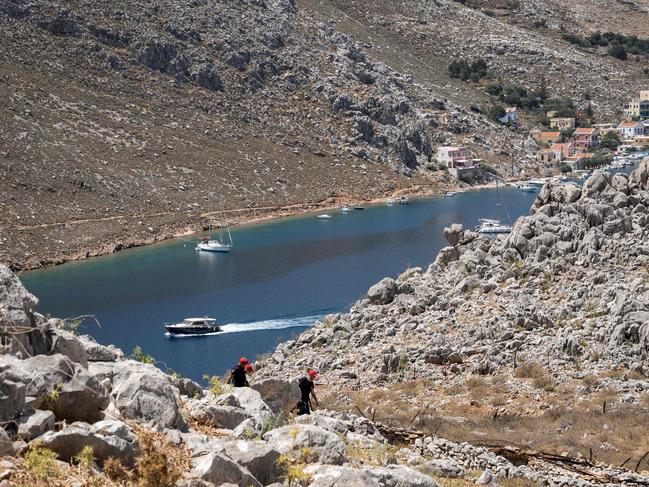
(250, 401)
(446, 256)
(396, 475)
(487, 478)
(107, 438)
(453, 234)
(444, 467)
(280, 395)
(6, 446)
(12, 394)
(148, 399)
(333, 476)
(219, 469)
(18, 329)
(83, 398)
(258, 457)
(326, 447)
(34, 423)
(99, 353)
(69, 345)
(206, 412)
(640, 175)
(383, 292)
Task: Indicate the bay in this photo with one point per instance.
(280, 277)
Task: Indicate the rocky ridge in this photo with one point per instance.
(128, 114)
(564, 299)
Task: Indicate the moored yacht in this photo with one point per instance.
(403, 200)
(488, 225)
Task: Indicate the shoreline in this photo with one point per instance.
(243, 216)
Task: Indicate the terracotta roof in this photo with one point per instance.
(629, 125)
(550, 134)
(584, 131)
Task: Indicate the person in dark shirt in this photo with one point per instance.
(307, 389)
(238, 376)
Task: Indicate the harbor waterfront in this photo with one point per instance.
(279, 278)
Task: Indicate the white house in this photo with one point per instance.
(630, 130)
(510, 116)
(454, 156)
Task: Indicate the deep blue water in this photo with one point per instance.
(279, 275)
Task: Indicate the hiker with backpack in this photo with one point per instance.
(307, 389)
(239, 374)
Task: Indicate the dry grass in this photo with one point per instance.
(541, 378)
(160, 464)
(563, 424)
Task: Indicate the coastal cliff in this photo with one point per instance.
(545, 320)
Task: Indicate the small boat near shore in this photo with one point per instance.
(345, 209)
(193, 326)
(389, 202)
(403, 200)
(359, 207)
(324, 216)
(528, 188)
(450, 194)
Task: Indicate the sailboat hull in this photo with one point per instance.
(213, 247)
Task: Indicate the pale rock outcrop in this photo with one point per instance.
(326, 447)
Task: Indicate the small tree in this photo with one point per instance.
(496, 112)
(618, 51)
(565, 168)
(567, 133)
(610, 140)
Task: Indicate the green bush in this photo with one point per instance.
(140, 356)
(462, 69)
(610, 140)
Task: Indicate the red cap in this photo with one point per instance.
(249, 368)
(312, 372)
(243, 360)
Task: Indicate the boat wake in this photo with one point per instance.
(275, 324)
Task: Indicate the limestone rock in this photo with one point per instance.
(32, 424)
(383, 292)
(326, 447)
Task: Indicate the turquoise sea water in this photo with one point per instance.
(279, 278)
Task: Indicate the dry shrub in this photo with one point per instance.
(160, 464)
(541, 378)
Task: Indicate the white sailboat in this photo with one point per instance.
(209, 244)
(493, 225)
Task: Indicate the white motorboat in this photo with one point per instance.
(528, 188)
(488, 225)
(450, 194)
(389, 202)
(193, 326)
(324, 216)
(209, 244)
(403, 200)
(345, 209)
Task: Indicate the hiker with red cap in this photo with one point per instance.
(307, 389)
(238, 377)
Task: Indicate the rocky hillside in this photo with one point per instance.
(117, 118)
(74, 412)
(539, 339)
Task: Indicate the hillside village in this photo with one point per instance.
(566, 143)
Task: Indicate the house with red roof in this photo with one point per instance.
(630, 130)
(585, 138)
